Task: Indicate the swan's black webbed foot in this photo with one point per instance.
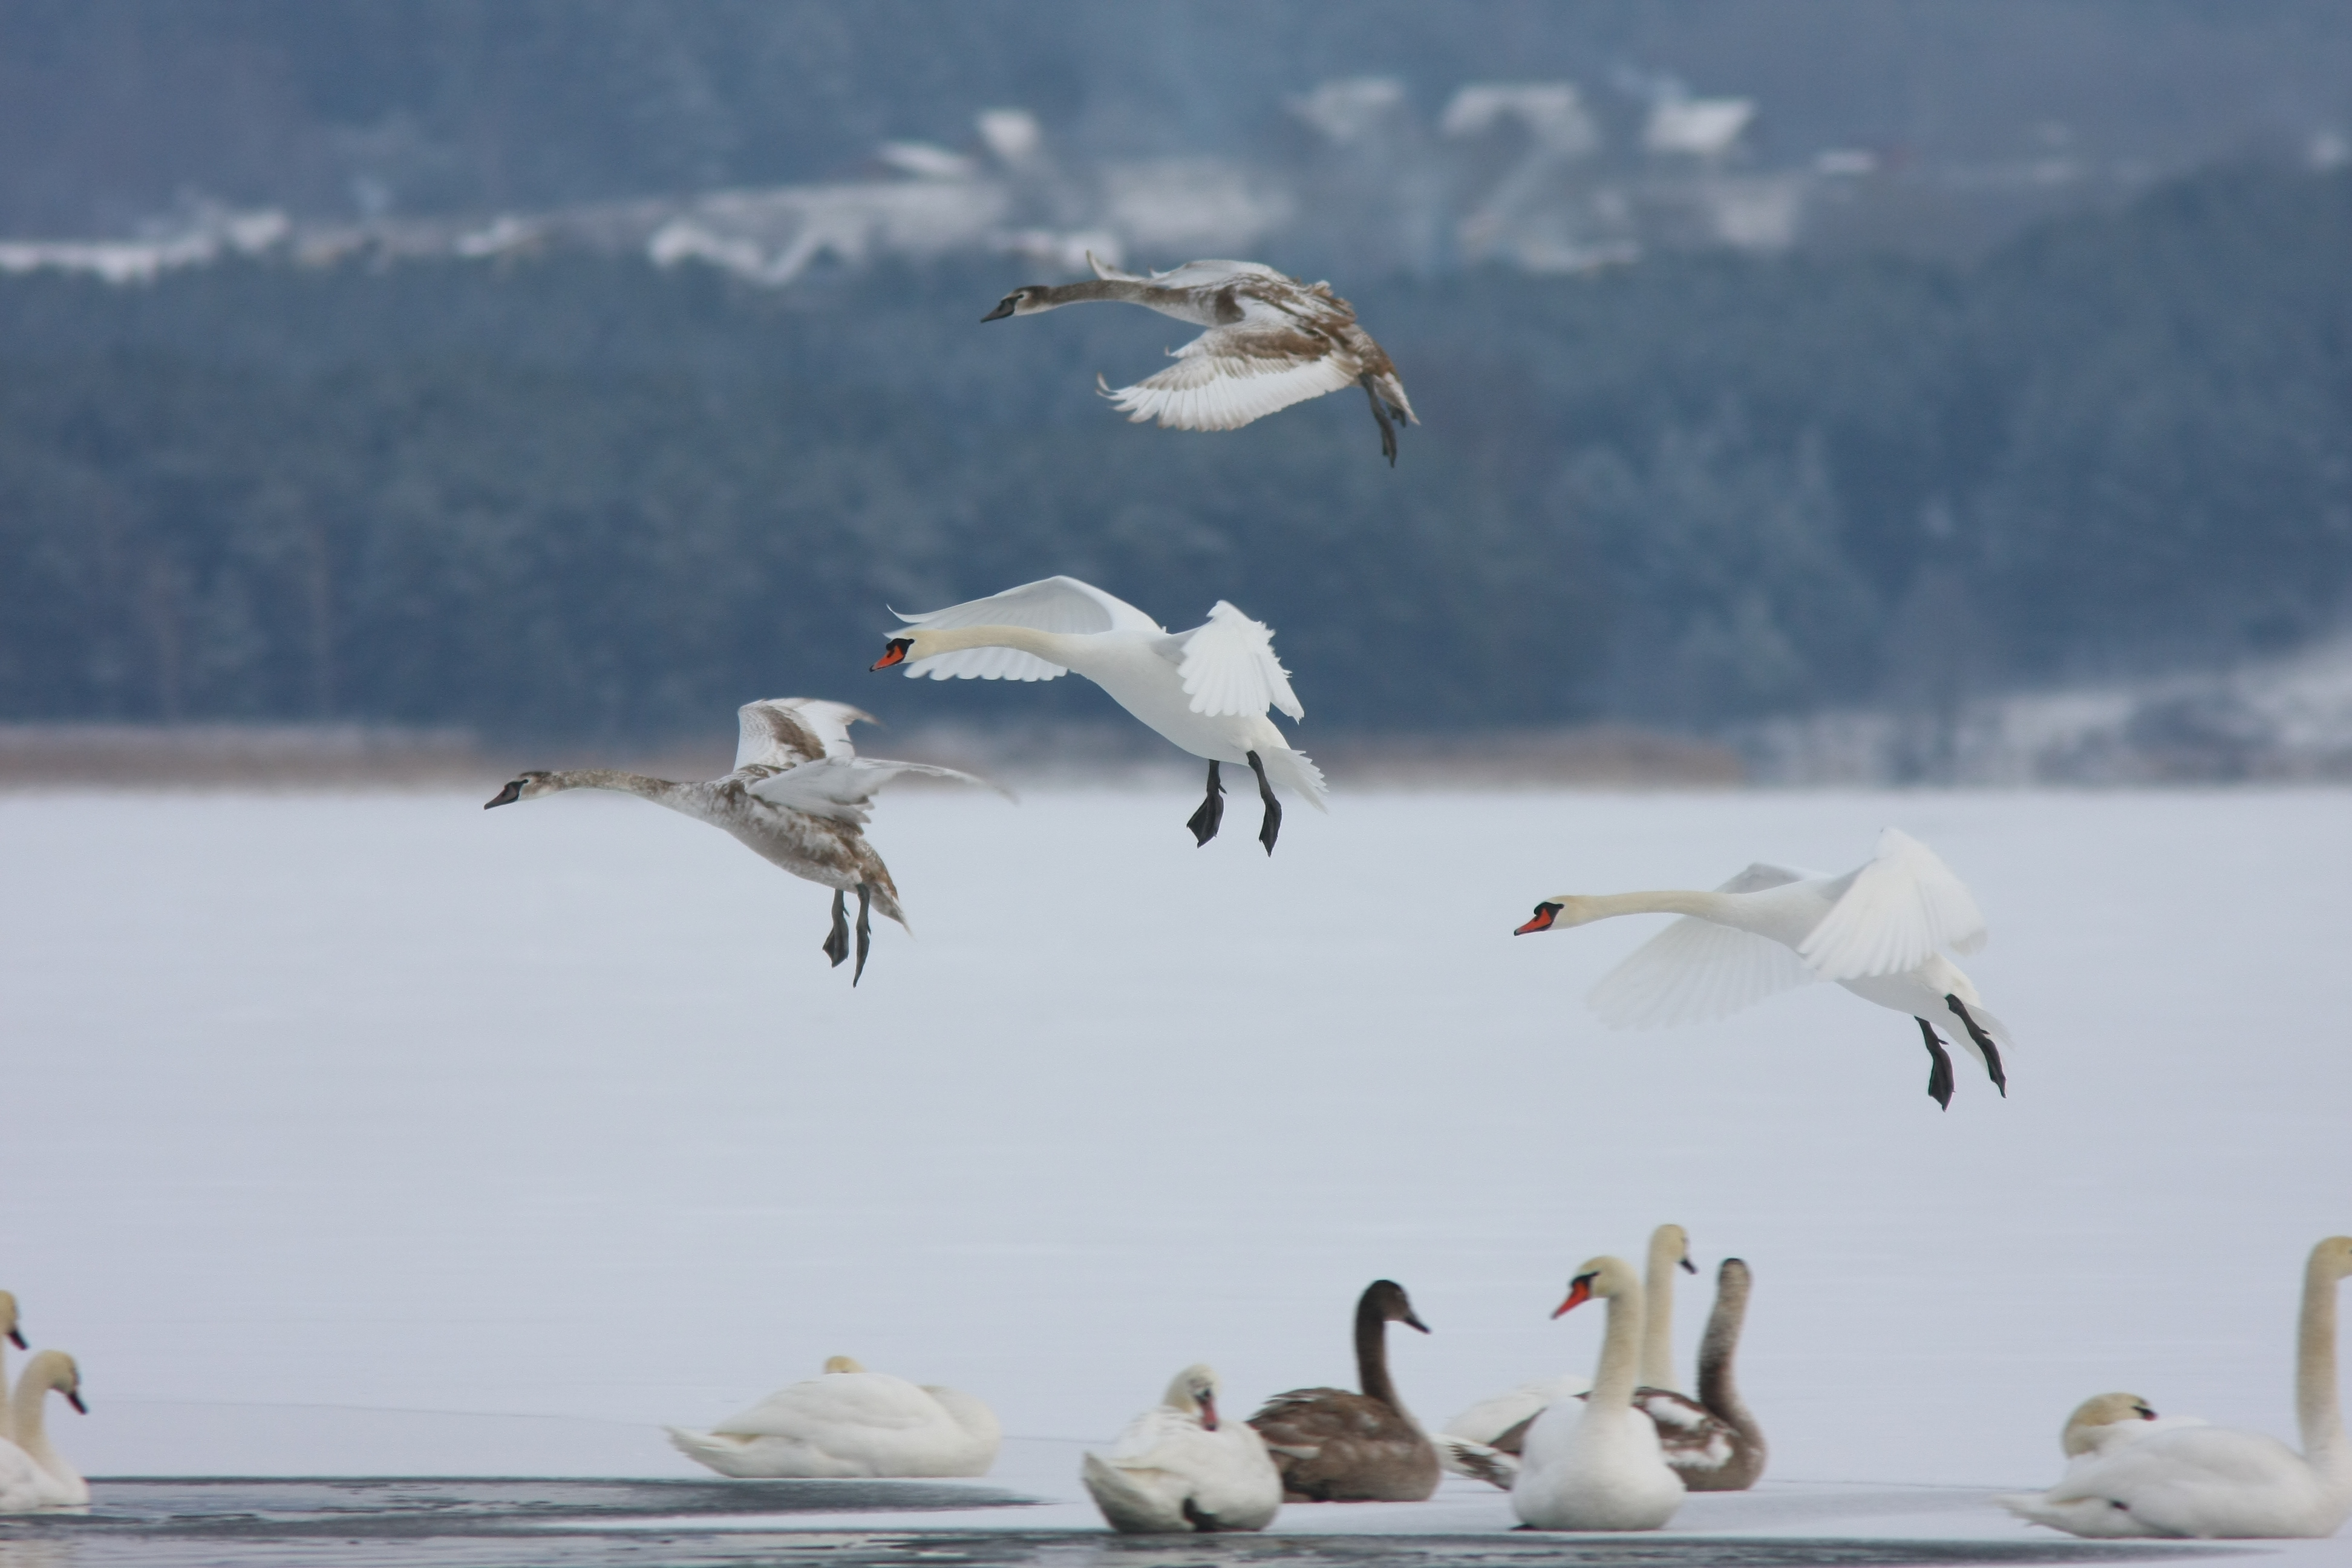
(1984, 1043)
(1388, 431)
(837, 940)
(865, 929)
(1205, 822)
(1939, 1076)
(1271, 828)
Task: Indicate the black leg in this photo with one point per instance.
(1272, 827)
(865, 929)
(836, 942)
(1939, 1076)
(1984, 1044)
(1207, 820)
(1388, 431)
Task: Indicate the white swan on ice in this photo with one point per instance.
(1875, 930)
(1206, 690)
(2106, 1421)
(1595, 1463)
(1181, 1466)
(2216, 1482)
(850, 1422)
(1271, 341)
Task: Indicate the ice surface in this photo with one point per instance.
(377, 1134)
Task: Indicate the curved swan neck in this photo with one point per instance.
(2317, 1407)
(1620, 1349)
(1372, 1354)
(25, 1414)
(1720, 1344)
(1666, 902)
(1668, 1248)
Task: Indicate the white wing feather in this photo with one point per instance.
(1048, 605)
(1218, 383)
(1693, 971)
(1894, 914)
(777, 731)
(839, 788)
(1228, 667)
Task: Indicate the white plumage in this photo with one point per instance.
(850, 1422)
(1181, 1467)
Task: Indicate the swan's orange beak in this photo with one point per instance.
(1579, 1293)
(1545, 915)
(1208, 1411)
(894, 654)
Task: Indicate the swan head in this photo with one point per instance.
(2084, 1428)
(54, 1370)
(526, 785)
(2332, 1258)
(1195, 1392)
(1386, 1300)
(1564, 910)
(1026, 300)
(1670, 1243)
(1601, 1276)
(8, 1319)
(843, 1363)
(896, 651)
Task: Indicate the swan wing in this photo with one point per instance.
(1228, 376)
(1048, 605)
(1464, 1457)
(840, 788)
(785, 731)
(1202, 274)
(1894, 914)
(1228, 667)
(1763, 875)
(1693, 971)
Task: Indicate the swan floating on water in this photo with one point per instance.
(797, 797)
(849, 1422)
(1875, 930)
(1206, 690)
(1333, 1446)
(2216, 1482)
(1596, 1463)
(1181, 1467)
(33, 1474)
(1271, 341)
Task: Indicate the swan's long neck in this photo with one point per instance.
(662, 791)
(1658, 1312)
(1054, 647)
(2316, 1405)
(7, 1404)
(31, 1434)
(1372, 1355)
(1717, 1390)
(1668, 901)
(1177, 302)
(1620, 1349)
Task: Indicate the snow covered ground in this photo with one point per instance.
(375, 1134)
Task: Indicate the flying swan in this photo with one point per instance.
(849, 1422)
(1875, 930)
(797, 797)
(2215, 1482)
(1206, 690)
(1271, 341)
(1181, 1467)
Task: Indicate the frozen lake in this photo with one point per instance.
(376, 1135)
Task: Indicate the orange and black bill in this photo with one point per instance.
(1545, 915)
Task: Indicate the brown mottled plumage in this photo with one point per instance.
(1333, 1446)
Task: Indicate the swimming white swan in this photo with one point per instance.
(1180, 1466)
(1206, 690)
(796, 797)
(11, 1335)
(1271, 341)
(2217, 1483)
(1874, 931)
(33, 1474)
(2107, 1421)
(1595, 1463)
(850, 1422)
(1333, 1446)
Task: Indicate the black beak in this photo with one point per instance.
(73, 1398)
(505, 796)
(17, 1340)
(1411, 1322)
(1688, 1267)
(1003, 308)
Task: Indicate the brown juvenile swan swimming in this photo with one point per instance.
(1337, 1447)
(1271, 341)
(796, 797)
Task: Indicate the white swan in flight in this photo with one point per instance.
(1181, 1467)
(849, 1422)
(1206, 690)
(1271, 341)
(2215, 1482)
(33, 1474)
(1875, 930)
(797, 796)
